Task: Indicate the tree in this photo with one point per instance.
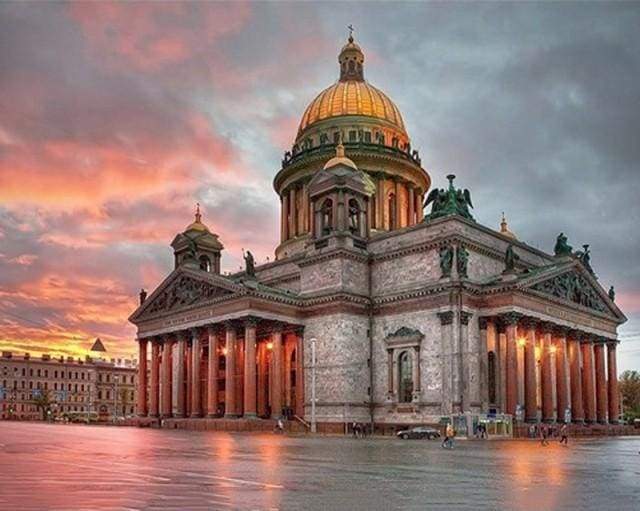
(43, 402)
(629, 385)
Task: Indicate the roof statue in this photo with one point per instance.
(98, 346)
(585, 256)
(562, 248)
(510, 259)
(612, 294)
(449, 202)
(249, 264)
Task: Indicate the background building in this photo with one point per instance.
(29, 386)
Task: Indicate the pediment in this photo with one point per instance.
(183, 289)
(577, 287)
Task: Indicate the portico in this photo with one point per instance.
(246, 367)
(564, 374)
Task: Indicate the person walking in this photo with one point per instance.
(447, 443)
(564, 439)
(543, 435)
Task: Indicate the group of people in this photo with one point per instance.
(546, 431)
(359, 430)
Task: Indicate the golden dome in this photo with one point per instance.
(352, 95)
(352, 98)
(197, 225)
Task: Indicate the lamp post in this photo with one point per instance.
(115, 397)
(313, 384)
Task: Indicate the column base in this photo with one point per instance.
(531, 420)
(250, 415)
(231, 416)
(166, 416)
(195, 416)
(590, 421)
(143, 415)
(154, 415)
(549, 421)
(603, 422)
(577, 421)
(212, 416)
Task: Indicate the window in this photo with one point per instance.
(38, 373)
(367, 137)
(354, 216)
(405, 377)
(55, 374)
(46, 373)
(391, 205)
(205, 263)
(61, 374)
(336, 137)
(353, 134)
(326, 217)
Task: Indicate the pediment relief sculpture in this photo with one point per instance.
(183, 292)
(574, 288)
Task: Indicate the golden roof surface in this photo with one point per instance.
(352, 95)
(351, 98)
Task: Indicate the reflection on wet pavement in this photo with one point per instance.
(63, 467)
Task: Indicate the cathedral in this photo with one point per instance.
(386, 304)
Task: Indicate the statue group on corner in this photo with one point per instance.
(449, 202)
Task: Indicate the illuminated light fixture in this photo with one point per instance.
(538, 351)
(224, 351)
(269, 345)
(522, 342)
(553, 349)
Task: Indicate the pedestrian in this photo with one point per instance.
(447, 443)
(354, 429)
(543, 435)
(564, 439)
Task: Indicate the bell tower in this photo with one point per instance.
(197, 247)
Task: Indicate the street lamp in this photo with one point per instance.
(313, 385)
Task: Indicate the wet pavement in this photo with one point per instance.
(74, 467)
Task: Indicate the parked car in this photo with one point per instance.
(418, 432)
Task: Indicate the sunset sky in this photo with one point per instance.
(115, 119)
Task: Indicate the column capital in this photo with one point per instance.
(446, 317)
(195, 332)
(229, 325)
(530, 322)
(613, 343)
(483, 321)
(574, 335)
(251, 321)
(214, 329)
(465, 317)
(511, 318)
(587, 338)
(560, 330)
(546, 327)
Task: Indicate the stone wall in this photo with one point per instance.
(408, 271)
(342, 372)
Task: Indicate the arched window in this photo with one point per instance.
(391, 205)
(205, 263)
(405, 377)
(491, 377)
(326, 217)
(354, 216)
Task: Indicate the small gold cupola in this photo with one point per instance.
(504, 228)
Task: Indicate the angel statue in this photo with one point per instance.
(449, 202)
